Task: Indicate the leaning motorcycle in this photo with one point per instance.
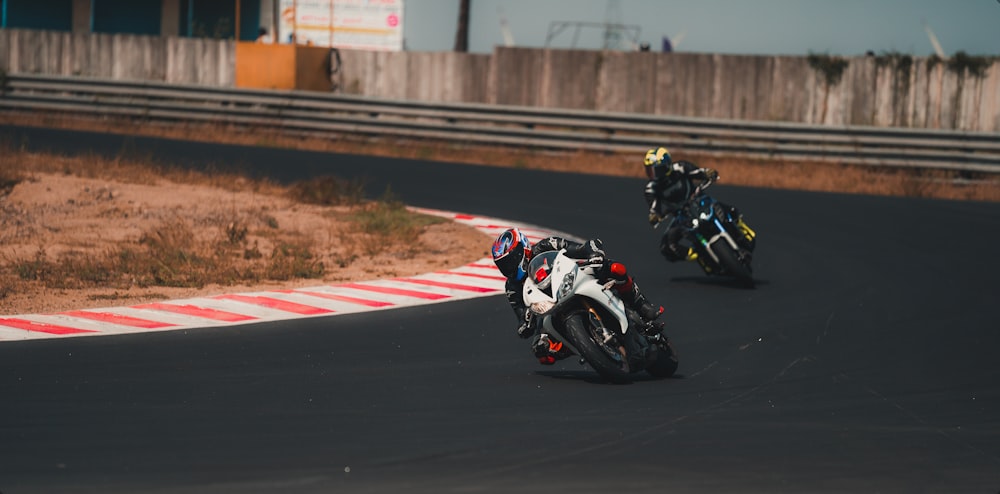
(568, 301)
(721, 238)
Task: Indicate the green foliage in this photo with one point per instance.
(8, 179)
(328, 191)
(902, 65)
(294, 260)
(236, 232)
(933, 61)
(830, 67)
(271, 222)
(36, 269)
(252, 252)
(425, 153)
(899, 61)
(976, 66)
(170, 259)
(389, 218)
(354, 87)
(267, 142)
(222, 28)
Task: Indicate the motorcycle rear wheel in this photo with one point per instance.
(605, 359)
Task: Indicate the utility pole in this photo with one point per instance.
(462, 35)
(612, 25)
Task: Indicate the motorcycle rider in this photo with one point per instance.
(511, 253)
(670, 186)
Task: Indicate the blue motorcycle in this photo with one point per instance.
(722, 241)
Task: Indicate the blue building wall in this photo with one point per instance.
(51, 15)
(126, 16)
(198, 18)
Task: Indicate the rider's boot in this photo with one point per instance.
(747, 231)
(548, 350)
(669, 252)
(634, 298)
(670, 244)
(638, 301)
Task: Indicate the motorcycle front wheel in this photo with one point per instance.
(607, 359)
(730, 262)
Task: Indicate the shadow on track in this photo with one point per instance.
(591, 377)
(722, 282)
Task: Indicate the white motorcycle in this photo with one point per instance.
(570, 303)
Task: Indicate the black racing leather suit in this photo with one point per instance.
(593, 250)
(667, 195)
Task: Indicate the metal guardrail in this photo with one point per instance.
(325, 113)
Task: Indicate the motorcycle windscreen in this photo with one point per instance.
(540, 270)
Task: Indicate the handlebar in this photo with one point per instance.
(701, 187)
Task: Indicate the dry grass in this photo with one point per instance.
(247, 247)
(386, 219)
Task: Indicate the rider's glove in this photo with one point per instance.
(711, 174)
(525, 330)
(527, 327)
(654, 218)
(595, 261)
(596, 247)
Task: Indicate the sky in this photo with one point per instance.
(745, 27)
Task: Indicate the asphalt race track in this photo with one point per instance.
(866, 360)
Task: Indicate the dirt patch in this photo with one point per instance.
(59, 217)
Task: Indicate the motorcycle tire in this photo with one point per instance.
(605, 359)
(666, 362)
(730, 262)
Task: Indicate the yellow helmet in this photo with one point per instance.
(657, 163)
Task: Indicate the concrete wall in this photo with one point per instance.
(118, 56)
(425, 76)
(877, 90)
(871, 90)
(4, 51)
(201, 61)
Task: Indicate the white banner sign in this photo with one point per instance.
(355, 24)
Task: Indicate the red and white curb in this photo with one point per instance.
(477, 279)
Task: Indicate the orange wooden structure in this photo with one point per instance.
(282, 66)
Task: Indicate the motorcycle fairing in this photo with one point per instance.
(558, 271)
